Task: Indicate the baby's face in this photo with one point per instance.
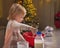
(20, 17)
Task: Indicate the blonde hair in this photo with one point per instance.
(16, 9)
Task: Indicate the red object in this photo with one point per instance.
(43, 35)
(29, 37)
(57, 24)
(57, 20)
(57, 14)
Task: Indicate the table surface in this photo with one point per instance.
(55, 42)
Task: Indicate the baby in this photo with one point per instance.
(14, 26)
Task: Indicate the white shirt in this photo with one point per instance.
(13, 27)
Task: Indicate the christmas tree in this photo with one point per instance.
(31, 18)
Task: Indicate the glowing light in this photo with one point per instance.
(48, 1)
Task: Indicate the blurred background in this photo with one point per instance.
(40, 13)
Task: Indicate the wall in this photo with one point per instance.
(6, 4)
(0, 8)
(45, 11)
(4, 9)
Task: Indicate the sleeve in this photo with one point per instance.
(22, 26)
(25, 26)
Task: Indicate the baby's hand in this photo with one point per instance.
(19, 39)
(34, 30)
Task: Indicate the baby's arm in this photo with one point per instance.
(20, 36)
(28, 28)
(22, 26)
